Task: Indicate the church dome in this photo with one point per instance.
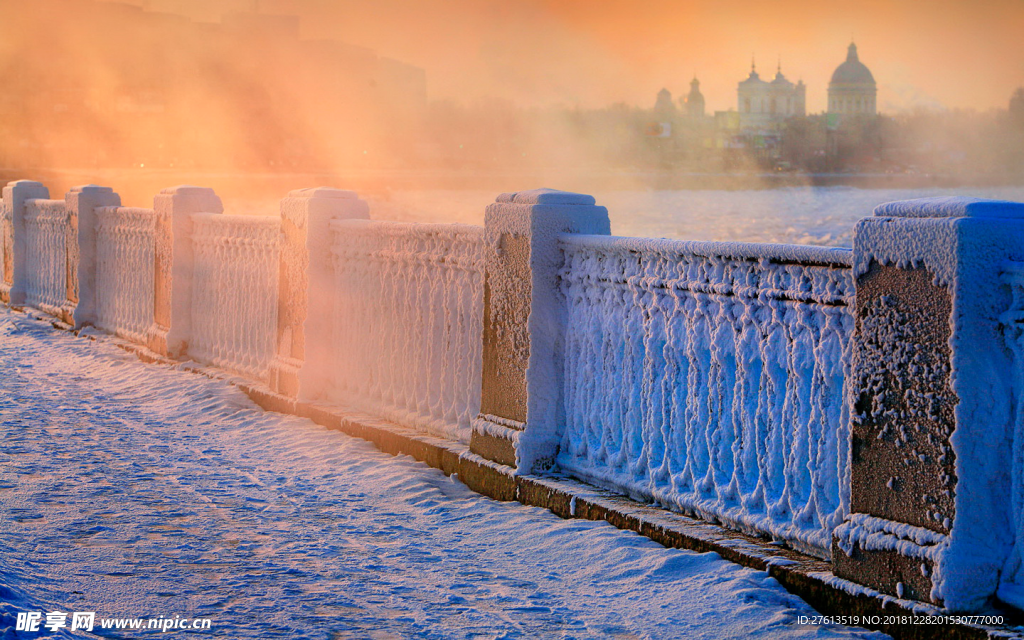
(853, 70)
(781, 80)
(753, 80)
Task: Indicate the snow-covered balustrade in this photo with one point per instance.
(47, 230)
(935, 396)
(408, 303)
(709, 378)
(49, 248)
(12, 227)
(234, 291)
(125, 254)
(303, 365)
(521, 409)
(865, 405)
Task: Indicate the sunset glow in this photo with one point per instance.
(953, 53)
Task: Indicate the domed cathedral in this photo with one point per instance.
(765, 105)
(852, 89)
(663, 104)
(694, 100)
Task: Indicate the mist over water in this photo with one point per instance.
(823, 216)
(430, 111)
(800, 215)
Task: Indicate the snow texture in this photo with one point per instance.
(47, 228)
(963, 243)
(307, 308)
(234, 292)
(15, 195)
(710, 378)
(141, 490)
(82, 203)
(878, 534)
(408, 322)
(538, 216)
(1011, 588)
(125, 258)
(6, 246)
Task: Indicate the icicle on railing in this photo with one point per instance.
(234, 291)
(709, 377)
(47, 226)
(1011, 587)
(408, 322)
(125, 253)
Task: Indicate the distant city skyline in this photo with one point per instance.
(946, 53)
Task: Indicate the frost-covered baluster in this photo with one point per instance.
(933, 401)
(305, 300)
(521, 397)
(13, 287)
(172, 282)
(82, 203)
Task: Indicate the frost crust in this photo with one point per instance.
(709, 378)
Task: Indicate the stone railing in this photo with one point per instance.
(47, 227)
(125, 264)
(709, 377)
(234, 292)
(406, 322)
(863, 406)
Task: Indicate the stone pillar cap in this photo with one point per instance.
(950, 207)
(323, 192)
(91, 188)
(546, 196)
(186, 189)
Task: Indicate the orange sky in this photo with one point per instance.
(954, 53)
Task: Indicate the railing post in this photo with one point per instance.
(172, 273)
(82, 203)
(12, 289)
(933, 402)
(305, 300)
(521, 390)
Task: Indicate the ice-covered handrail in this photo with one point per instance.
(834, 288)
(125, 255)
(781, 253)
(709, 377)
(408, 321)
(465, 240)
(47, 226)
(234, 291)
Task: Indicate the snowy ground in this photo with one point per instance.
(142, 491)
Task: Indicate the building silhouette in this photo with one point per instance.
(852, 90)
(695, 100)
(766, 105)
(663, 104)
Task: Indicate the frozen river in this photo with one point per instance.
(797, 215)
(141, 491)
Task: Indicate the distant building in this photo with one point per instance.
(1016, 107)
(664, 104)
(765, 105)
(695, 100)
(852, 90)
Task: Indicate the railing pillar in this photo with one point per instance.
(521, 392)
(933, 402)
(12, 288)
(305, 301)
(82, 203)
(172, 273)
